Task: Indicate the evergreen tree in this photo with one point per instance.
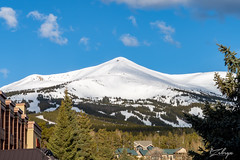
(83, 141)
(59, 141)
(47, 131)
(105, 149)
(220, 127)
(71, 138)
(116, 136)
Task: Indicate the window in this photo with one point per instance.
(37, 143)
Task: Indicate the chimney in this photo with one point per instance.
(22, 106)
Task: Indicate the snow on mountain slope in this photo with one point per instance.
(119, 77)
(145, 94)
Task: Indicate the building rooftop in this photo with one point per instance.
(143, 152)
(25, 154)
(132, 152)
(170, 151)
(3, 94)
(144, 144)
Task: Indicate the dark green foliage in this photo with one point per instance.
(47, 131)
(118, 115)
(82, 139)
(112, 124)
(71, 138)
(51, 89)
(104, 148)
(105, 100)
(220, 128)
(93, 108)
(157, 122)
(107, 137)
(59, 141)
(135, 120)
(9, 94)
(47, 102)
(51, 116)
(32, 117)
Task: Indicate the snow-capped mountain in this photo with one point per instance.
(119, 77)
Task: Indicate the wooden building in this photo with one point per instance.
(16, 132)
(145, 150)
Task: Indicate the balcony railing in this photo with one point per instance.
(2, 133)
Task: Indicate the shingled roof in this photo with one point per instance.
(120, 151)
(143, 143)
(24, 154)
(143, 152)
(170, 151)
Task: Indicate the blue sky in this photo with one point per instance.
(174, 36)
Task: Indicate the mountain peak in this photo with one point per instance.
(120, 59)
(119, 64)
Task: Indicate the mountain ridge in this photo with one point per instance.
(84, 73)
(119, 88)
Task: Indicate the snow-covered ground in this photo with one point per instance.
(182, 123)
(196, 111)
(130, 114)
(41, 117)
(119, 77)
(76, 109)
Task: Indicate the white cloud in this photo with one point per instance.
(163, 27)
(129, 40)
(168, 38)
(167, 32)
(37, 15)
(133, 20)
(4, 72)
(158, 4)
(49, 28)
(85, 42)
(221, 7)
(9, 15)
